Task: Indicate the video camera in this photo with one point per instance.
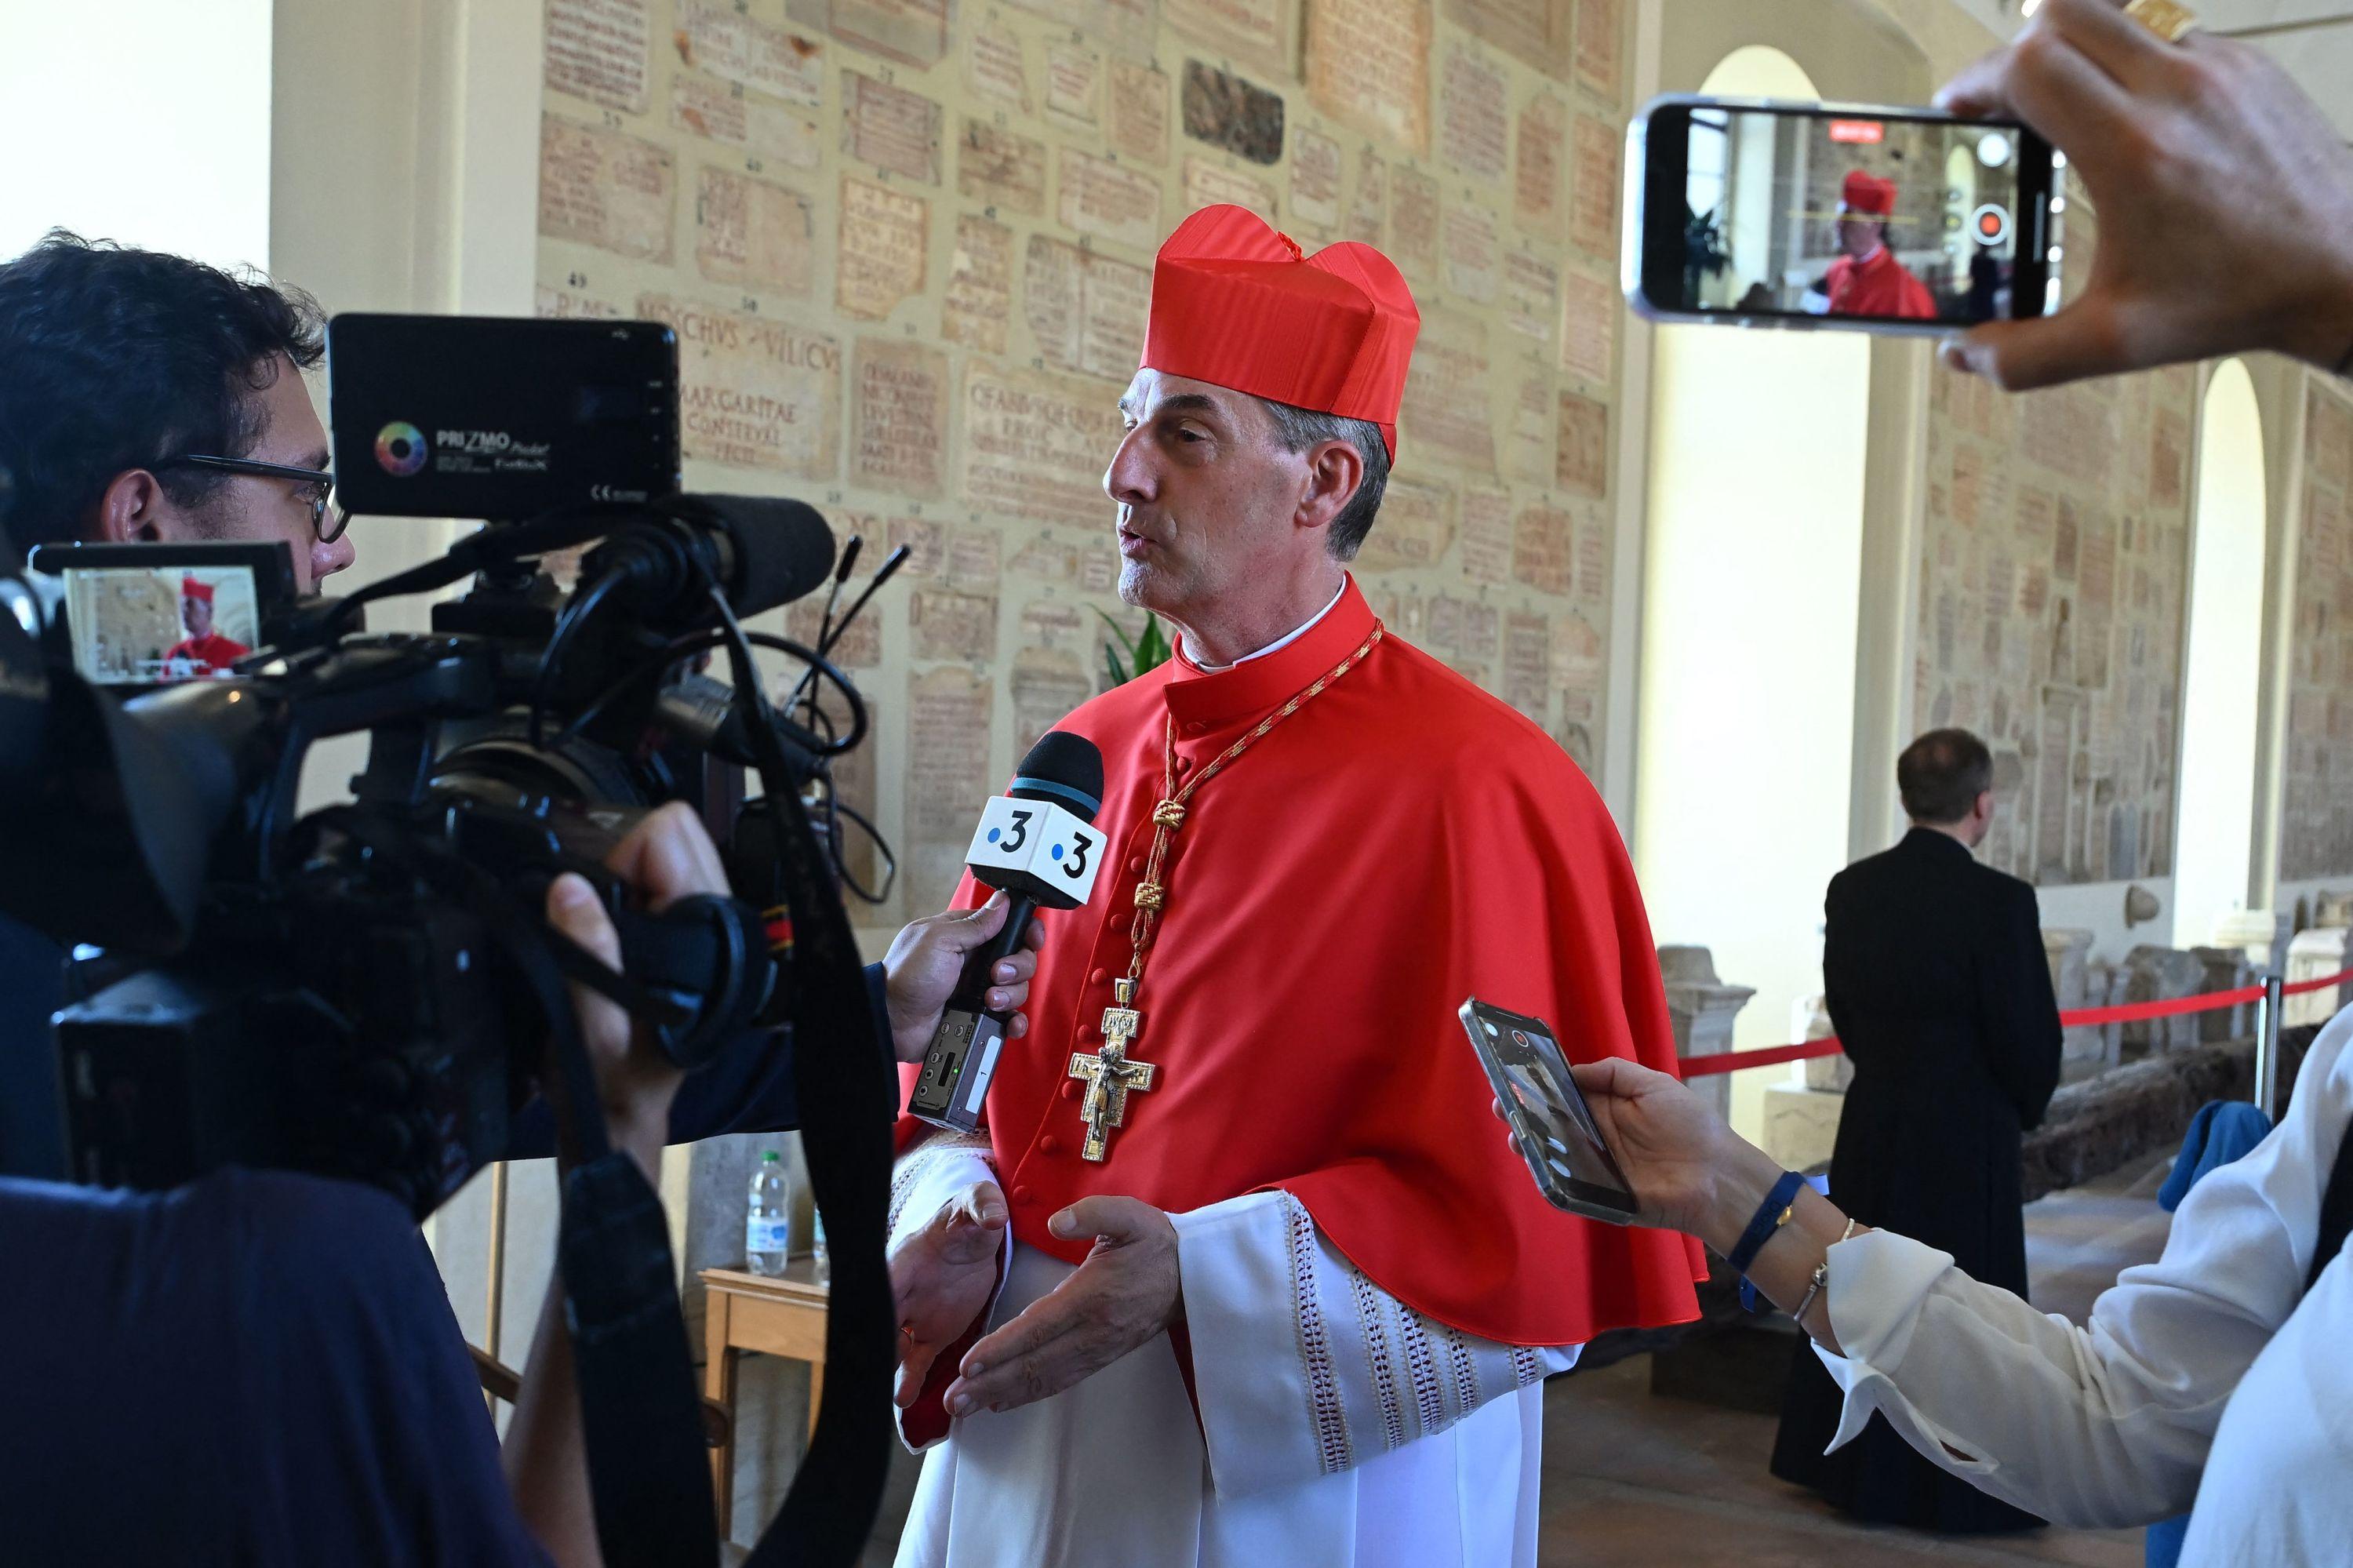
(345, 993)
(368, 992)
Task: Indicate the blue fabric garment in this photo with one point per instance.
(2221, 1131)
(1749, 1299)
(254, 1369)
(32, 987)
(262, 1368)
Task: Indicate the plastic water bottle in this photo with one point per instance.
(817, 1248)
(768, 1219)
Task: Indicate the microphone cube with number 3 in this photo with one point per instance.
(1035, 847)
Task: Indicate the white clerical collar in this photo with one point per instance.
(1285, 640)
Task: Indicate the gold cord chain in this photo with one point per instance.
(1152, 893)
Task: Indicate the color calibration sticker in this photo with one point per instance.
(400, 448)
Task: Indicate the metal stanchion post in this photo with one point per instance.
(2267, 1046)
(494, 1301)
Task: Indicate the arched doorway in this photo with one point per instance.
(2222, 665)
(1750, 596)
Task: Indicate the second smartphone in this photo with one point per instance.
(1756, 212)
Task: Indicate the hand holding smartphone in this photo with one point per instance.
(1550, 1123)
(1872, 219)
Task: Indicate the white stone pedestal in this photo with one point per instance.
(2227, 968)
(1831, 1074)
(1800, 1124)
(1700, 1009)
(2323, 950)
(2162, 974)
(2261, 934)
(2068, 951)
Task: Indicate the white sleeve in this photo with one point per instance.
(1303, 1366)
(2108, 1425)
(931, 1173)
(925, 1177)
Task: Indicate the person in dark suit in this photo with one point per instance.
(1935, 975)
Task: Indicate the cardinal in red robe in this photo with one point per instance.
(1301, 1309)
(202, 652)
(1868, 280)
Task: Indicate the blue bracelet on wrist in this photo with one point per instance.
(1771, 1216)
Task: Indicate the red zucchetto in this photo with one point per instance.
(1237, 305)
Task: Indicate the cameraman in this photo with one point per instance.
(147, 399)
(152, 398)
(263, 1368)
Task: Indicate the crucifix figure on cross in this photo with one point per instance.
(1109, 1076)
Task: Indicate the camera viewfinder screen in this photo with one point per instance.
(135, 626)
(1879, 219)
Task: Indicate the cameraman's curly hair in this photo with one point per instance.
(115, 358)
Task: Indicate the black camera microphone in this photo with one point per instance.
(762, 551)
(1036, 842)
(707, 715)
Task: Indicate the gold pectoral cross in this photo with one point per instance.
(1109, 1076)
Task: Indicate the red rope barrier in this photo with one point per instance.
(1729, 1061)
(2079, 1017)
(2134, 1012)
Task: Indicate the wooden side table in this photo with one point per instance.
(782, 1315)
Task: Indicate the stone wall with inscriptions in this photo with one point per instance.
(906, 245)
(2315, 829)
(2053, 573)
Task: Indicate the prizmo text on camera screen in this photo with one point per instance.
(1817, 214)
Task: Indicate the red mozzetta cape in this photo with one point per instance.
(1403, 842)
(212, 650)
(1879, 286)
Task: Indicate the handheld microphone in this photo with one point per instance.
(1037, 843)
(842, 568)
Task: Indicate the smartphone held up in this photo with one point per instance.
(1552, 1127)
(1754, 212)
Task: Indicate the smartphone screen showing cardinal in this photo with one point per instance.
(1865, 218)
(1878, 219)
(1552, 1125)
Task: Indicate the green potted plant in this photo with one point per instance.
(1128, 657)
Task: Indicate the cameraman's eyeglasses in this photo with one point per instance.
(328, 520)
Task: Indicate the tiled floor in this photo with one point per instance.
(1634, 1481)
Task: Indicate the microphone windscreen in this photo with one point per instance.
(1065, 768)
(783, 548)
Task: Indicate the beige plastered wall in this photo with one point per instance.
(404, 177)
